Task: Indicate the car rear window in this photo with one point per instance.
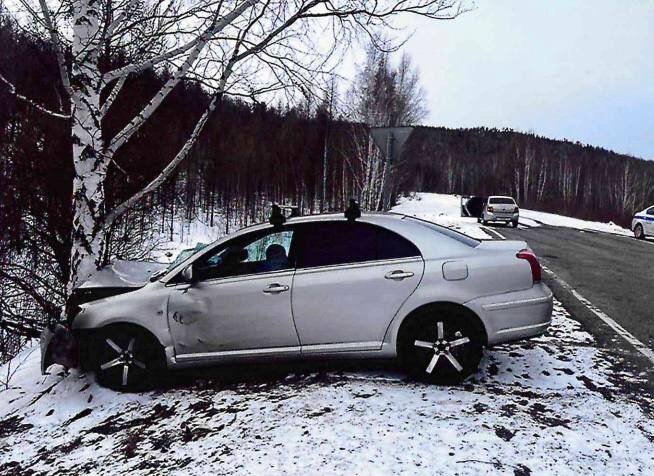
(501, 201)
(455, 235)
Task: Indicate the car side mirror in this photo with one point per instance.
(187, 274)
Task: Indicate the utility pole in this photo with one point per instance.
(324, 152)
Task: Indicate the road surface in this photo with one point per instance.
(615, 273)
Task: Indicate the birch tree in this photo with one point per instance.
(382, 95)
(245, 48)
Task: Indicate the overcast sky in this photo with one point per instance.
(576, 69)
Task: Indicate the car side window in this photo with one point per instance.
(334, 243)
(650, 211)
(390, 245)
(252, 254)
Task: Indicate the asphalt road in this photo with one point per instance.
(615, 273)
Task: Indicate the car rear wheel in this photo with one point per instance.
(444, 347)
(127, 359)
(638, 232)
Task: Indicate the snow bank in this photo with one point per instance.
(533, 218)
(446, 210)
(443, 210)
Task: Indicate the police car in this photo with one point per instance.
(643, 223)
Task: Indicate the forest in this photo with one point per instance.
(316, 154)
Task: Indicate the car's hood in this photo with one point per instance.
(119, 277)
(123, 274)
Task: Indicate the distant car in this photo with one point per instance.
(321, 286)
(643, 223)
(500, 210)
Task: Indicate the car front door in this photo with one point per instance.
(649, 222)
(239, 303)
(352, 278)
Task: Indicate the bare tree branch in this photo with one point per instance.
(56, 44)
(34, 104)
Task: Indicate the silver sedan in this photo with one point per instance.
(384, 285)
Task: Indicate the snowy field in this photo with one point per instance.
(547, 406)
(446, 210)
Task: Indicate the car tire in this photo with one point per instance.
(442, 346)
(639, 233)
(127, 358)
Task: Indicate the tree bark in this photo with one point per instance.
(89, 162)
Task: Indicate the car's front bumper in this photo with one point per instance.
(516, 315)
(58, 346)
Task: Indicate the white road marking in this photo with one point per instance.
(621, 331)
(493, 232)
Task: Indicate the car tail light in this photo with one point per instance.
(532, 259)
(490, 209)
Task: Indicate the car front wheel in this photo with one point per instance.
(638, 232)
(127, 359)
(442, 348)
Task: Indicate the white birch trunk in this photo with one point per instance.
(89, 162)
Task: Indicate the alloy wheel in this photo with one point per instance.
(125, 359)
(441, 345)
(442, 348)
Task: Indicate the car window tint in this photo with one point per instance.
(332, 243)
(501, 201)
(252, 254)
(650, 211)
(390, 245)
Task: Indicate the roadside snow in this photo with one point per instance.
(187, 235)
(547, 406)
(533, 218)
(446, 210)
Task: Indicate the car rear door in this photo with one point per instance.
(352, 278)
(240, 304)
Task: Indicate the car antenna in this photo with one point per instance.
(277, 218)
(353, 211)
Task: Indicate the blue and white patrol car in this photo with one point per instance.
(643, 223)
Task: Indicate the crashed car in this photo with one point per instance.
(324, 286)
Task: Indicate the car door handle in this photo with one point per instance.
(398, 275)
(276, 288)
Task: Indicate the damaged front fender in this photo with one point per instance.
(58, 346)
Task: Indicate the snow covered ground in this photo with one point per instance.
(446, 210)
(547, 406)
